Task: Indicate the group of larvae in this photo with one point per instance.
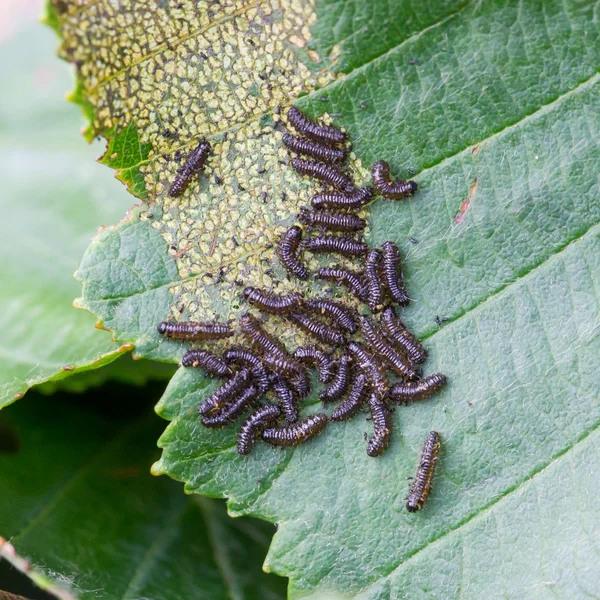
(356, 352)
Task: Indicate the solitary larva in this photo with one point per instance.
(317, 329)
(320, 133)
(212, 365)
(253, 426)
(397, 333)
(331, 221)
(221, 395)
(370, 368)
(331, 244)
(350, 201)
(379, 344)
(193, 330)
(372, 264)
(272, 303)
(233, 408)
(394, 190)
(244, 357)
(354, 401)
(289, 404)
(193, 164)
(339, 384)
(294, 435)
(421, 485)
(308, 148)
(311, 354)
(287, 251)
(405, 393)
(382, 426)
(392, 273)
(350, 279)
(323, 173)
(337, 312)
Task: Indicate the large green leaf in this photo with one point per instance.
(84, 518)
(53, 199)
(495, 106)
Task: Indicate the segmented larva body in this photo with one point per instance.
(294, 435)
(300, 382)
(317, 329)
(331, 244)
(244, 357)
(378, 343)
(232, 409)
(421, 485)
(350, 201)
(393, 190)
(397, 333)
(281, 363)
(392, 273)
(347, 222)
(370, 368)
(312, 355)
(193, 330)
(338, 312)
(285, 396)
(272, 303)
(352, 280)
(382, 426)
(324, 134)
(405, 393)
(372, 264)
(193, 164)
(212, 365)
(354, 401)
(220, 396)
(324, 173)
(303, 146)
(339, 384)
(287, 250)
(253, 426)
(254, 329)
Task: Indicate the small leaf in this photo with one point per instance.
(83, 515)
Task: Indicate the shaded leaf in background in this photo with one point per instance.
(79, 504)
(495, 106)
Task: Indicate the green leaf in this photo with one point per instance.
(84, 517)
(53, 199)
(495, 106)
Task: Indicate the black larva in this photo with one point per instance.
(397, 333)
(220, 396)
(331, 244)
(323, 173)
(192, 330)
(339, 384)
(272, 303)
(337, 312)
(370, 368)
(287, 251)
(392, 273)
(254, 329)
(421, 485)
(332, 221)
(294, 435)
(382, 426)
(317, 329)
(311, 354)
(232, 409)
(213, 365)
(350, 279)
(253, 426)
(323, 153)
(350, 201)
(394, 190)
(320, 133)
(193, 164)
(405, 393)
(285, 396)
(244, 357)
(354, 401)
(372, 264)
